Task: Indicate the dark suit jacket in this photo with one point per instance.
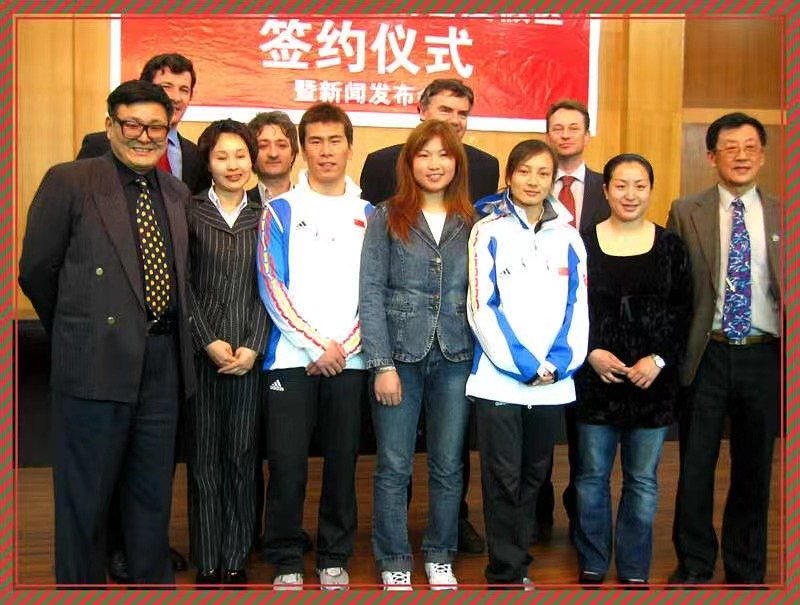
(379, 176)
(195, 170)
(81, 270)
(696, 220)
(595, 206)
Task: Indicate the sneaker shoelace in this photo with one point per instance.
(441, 568)
(399, 577)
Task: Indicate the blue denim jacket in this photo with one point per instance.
(411, 292)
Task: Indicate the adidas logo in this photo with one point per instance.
(276, 386)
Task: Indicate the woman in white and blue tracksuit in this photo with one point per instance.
(527, 308)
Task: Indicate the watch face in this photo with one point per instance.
(659, 361)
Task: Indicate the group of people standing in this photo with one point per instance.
(426, 293)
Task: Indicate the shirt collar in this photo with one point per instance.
(172, 137)
(212, 195)
(579, 173)
(748, 198)
(128, 176)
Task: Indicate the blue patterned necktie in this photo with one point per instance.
(736, 309)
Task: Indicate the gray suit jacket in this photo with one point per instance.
(696, 220)
(80, 268)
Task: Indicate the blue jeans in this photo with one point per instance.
(440, 385)
(633, 543)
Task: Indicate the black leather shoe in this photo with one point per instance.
(590, 577)
(207, 576)
(469, 540)
(685, 576)
(234, 576)
(118, 567)
(178, 562)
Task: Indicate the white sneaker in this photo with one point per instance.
(288, 581)
(440, 576)
(527, 584)
(396, 580)
(334, 578)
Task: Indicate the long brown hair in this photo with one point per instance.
(405, 205)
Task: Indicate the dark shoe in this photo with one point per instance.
(308, 545)
(685, 576)
(234, 576)
(634, 584)
(742, 583)
(590, 577)
(469, 541)
(118, 567)
(207, 576)
(178, 562)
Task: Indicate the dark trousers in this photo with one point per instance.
(741, 383)
(545, 503)
(516, 444)
(103, 444)
(222, 424)
(298, 403)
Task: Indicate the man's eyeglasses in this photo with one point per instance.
(133, 130)
(572, 130)
(732, 151)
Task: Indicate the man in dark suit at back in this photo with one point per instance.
(175, 74)
(104, 262)
(580, 189)
(444, 99)
(451, 101)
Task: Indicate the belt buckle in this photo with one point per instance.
(738, 342)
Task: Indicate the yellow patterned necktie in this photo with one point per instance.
(154, 253)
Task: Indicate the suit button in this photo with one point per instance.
(111, 320)
(99, 272)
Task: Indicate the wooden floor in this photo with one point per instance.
(554, 566)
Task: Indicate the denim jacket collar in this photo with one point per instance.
(452, 225)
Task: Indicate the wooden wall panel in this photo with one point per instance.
(733, 63)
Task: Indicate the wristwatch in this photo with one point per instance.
(659, 361)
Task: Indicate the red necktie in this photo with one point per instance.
(163, 162)
(565, 196)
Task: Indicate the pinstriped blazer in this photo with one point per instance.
(224, 300)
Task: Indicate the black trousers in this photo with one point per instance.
(222, 423)
(516, 445)
(741, 383)
(297, 404)
(100, 445)
(545, 503)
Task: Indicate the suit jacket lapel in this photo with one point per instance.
(771, 209)
(114, 213)
(176, 217)
(705, 218)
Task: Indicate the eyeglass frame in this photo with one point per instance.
(572, 130)
(731, 152)
(141, 128)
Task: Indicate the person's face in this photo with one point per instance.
(275, 157)
(738, 157)
(433, 167)
(229, 163)
(567, 133)
(449, 108)
(140, 154)
(628, 191)
(178, 88)
(532, 180)
(326, 152)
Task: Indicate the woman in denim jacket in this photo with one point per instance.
(417, 341)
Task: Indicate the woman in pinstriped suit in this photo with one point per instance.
(230, 328)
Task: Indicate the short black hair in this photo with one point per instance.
(456, 87)
(275, 118)
(138, 91)
(733, 120)
(625, 158)
(209, 137)
(176, 63)
(325, 112)
(570, 104)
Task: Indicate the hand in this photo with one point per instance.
(220, 353)
(388, 390)
(545, 378)
(332, 361)
(241, 364)
(607, 366)
(644, 372)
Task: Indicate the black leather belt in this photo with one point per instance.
(162, 325)
(758, 339)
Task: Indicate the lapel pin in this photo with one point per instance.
(776, 237)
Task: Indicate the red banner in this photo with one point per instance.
(376, 66)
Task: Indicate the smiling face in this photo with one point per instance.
(326, 152)
(178, 88)
(628, 191)
(275, 157)
(738, 158)
(229, 163)
(142, 153)
(532, 180)
(449, 108)
(433, 167)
